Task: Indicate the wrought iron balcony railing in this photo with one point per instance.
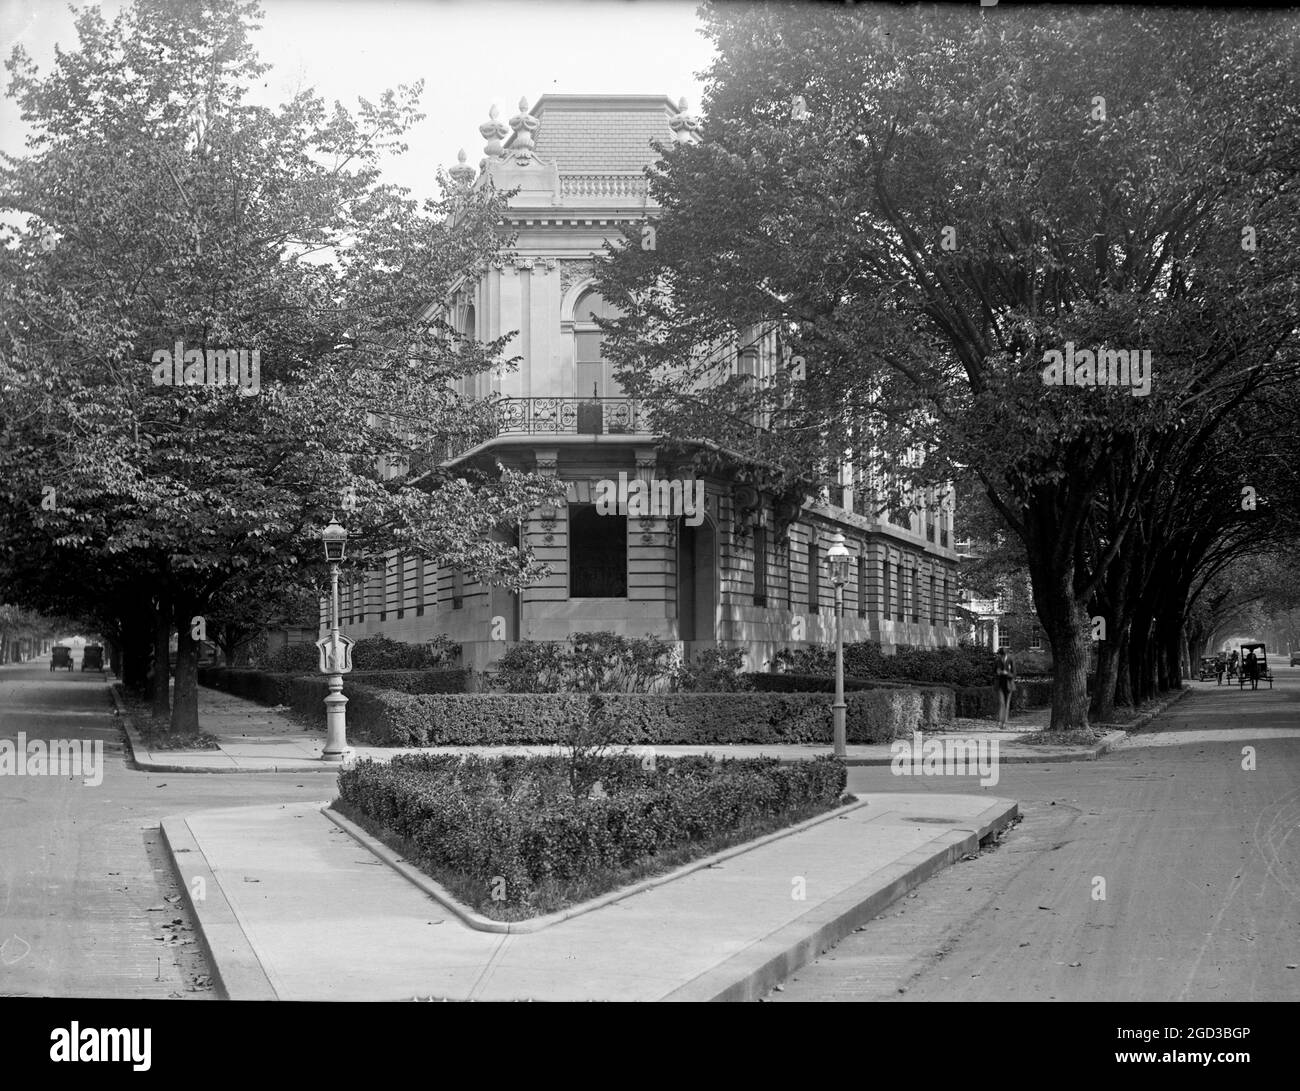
(560, 417)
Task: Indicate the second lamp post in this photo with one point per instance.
(335, 652)
(837, 560)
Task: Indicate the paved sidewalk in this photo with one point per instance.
(294, 908)
(256, 739)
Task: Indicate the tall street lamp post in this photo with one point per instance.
(837, 560)
(335, 652)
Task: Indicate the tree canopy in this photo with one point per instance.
(928, 204)
(170, 228)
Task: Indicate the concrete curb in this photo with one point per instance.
(753, 973)
(535, 924)
(1054, 758)
(237, 972)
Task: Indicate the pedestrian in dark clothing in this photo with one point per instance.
(1004, 684)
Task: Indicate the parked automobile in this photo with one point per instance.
(92, 658)
(1295, 659)
(61, 657)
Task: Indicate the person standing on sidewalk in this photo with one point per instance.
(1004, 684)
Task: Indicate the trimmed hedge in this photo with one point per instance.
(260, 686)
(274, 688)
(389, 717)
(511, 834)
(766, 682)
(666, 719)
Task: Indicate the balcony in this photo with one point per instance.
(548, 417)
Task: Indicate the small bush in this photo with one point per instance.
(814, 660)
(595, 662)
(531, 666)
(508, 836)
(714, 670)
(293, 659)
(379, 653)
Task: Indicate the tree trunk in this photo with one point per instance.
(1069, 635)
(1124, 674)
(185, 701)
(1174, 647)
(1150, 668)
(1110, 668)
(137, 642)
(159, 696)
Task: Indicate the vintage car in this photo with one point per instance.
(61, 657)
(1210, 668)
(93, 658)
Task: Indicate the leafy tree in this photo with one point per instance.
(162, 210)
(958, 192)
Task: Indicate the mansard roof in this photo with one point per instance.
(600, 133)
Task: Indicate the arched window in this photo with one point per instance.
(595, 374)
(476, 386)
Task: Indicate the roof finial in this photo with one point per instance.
(462, 171)
(686, 129)
(524, 125)
(493, 131)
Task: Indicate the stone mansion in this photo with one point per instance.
(723, 578)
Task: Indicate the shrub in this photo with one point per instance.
(533, 666)
(595, 662)
(814, 660)
(605, 661)
(293, 659)
(715, 670)
(379, 653)
(508, 833)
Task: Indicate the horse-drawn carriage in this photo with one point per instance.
(1254, 667)
(61, 657)
(93, 658)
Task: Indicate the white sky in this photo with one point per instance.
(470, 53)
